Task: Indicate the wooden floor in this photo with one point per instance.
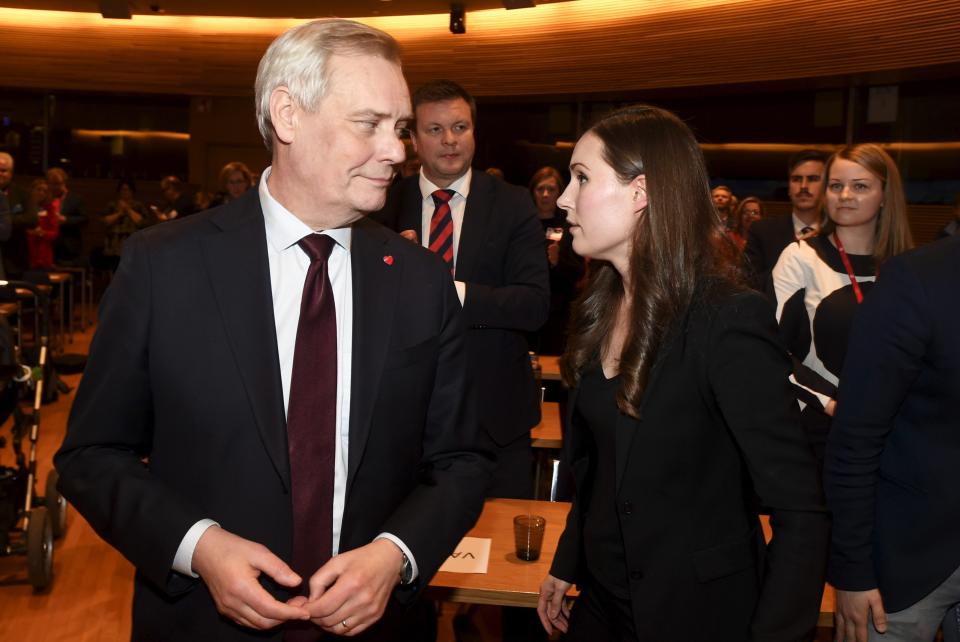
(89, 600)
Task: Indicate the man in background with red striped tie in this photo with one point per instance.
(487, 233)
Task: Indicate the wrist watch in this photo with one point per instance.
(406, 571)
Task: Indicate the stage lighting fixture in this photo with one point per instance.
(458, 18)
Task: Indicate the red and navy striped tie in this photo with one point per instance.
(441, 226)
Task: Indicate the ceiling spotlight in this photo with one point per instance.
(458, 18)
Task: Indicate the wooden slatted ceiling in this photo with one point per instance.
(571, 47)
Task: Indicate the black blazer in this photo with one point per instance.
(719, 423)
(766, 240)
(184, 370)
(891, 471)
(501, 258)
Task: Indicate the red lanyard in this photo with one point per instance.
(846, 264)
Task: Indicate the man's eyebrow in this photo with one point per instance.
(373, 113)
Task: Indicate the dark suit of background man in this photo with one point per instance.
(891, 471)
(23, 217)
(496, 255)
(293, 372)
(767, 238)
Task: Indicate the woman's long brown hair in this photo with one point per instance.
(892, 235)
(676, 244)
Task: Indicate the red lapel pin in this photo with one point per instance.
(388, 259)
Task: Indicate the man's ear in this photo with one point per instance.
(283, 114)
(639, 185)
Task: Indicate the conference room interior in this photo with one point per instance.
(137, 90)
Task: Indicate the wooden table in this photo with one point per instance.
(549, 367)
(547, 433)
(510, 581)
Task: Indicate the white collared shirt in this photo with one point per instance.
(458, 205)
(288, 265)
(798, 225)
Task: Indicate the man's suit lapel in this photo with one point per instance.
(239, 272)
(475, 225)
(376, 277)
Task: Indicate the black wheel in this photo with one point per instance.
(56, 505)
(40, 549)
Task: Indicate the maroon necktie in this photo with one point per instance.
(441, 226)
(312, 414)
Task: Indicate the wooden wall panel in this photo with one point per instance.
(571, 47)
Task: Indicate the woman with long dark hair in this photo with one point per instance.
(680, 416)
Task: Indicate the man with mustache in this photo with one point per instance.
(767, 237)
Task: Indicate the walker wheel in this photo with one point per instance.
(40, 549)
(56, 505)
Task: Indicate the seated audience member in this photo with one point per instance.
(201, 200)
(235, 179)
(953, 227)
(767, 238)
(726, 203)
(663, 538)
(496, 172)
(891, 471)
(23, 217)
(177, 203)
(68, 248)
(819, 281)
(566, 268)
(749, 211)
(40, 239)
(124, 216)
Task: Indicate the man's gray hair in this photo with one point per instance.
(297, 60)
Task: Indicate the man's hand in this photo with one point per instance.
(552, 607)
(230, 566)
(852, 613)
(354, 587)
(411, 235)
(831, 407)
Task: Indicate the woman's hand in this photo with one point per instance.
(831, 407)
(552, 607)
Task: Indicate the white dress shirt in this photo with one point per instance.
(288, 265)
(458, 204)
(798, 225)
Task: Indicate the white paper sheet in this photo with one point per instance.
(471, 556)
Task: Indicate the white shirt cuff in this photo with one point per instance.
(403, 547)
(183, 560)
(461, 291)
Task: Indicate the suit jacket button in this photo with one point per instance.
(627, 508)
(636, 575)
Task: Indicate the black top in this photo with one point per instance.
(815, 307)
(602, 540)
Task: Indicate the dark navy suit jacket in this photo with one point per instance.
(892, 468)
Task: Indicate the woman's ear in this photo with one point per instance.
(639, 185)
(283, 114)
